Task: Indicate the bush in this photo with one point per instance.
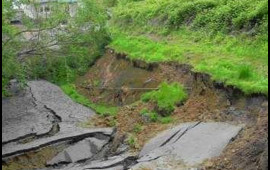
(166, 97)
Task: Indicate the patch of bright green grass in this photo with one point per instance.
(166, 97)
(145, 49)
(241, 62)
(71, 91)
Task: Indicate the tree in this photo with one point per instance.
(56, 47)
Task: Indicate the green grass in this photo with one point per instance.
(103, 110)
(155, 117)
(137, 128)
(236, 61)
(166, 120)
(132, 141)
(211, 15)
(228, 39)
(166, 97)
(144, 49)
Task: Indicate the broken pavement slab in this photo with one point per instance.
(191, 143)
(75, 134)
(43, 114)
(111, 163)
(80, 151)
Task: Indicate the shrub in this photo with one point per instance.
(166, 97)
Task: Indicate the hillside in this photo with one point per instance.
(227, 39)
(135, 85)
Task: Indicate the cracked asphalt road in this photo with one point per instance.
(41, 111)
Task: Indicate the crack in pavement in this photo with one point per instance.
(189, 128)
(170, 138)
(19, 138)
(73, 138)
(122, 162)
(56, 117)
(33, 96)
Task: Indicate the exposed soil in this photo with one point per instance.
(208, 101)
(115, 80)
(32, 160)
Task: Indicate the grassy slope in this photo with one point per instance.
(102, 110)
(224, 38)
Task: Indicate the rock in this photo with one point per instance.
(80, 151)
(234, 111)
(191, 143)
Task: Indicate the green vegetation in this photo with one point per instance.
(152, 116)
(227, 39)
(155, 117)
(132, 141)
(166, 120)
(79, 43)
(166, 97)
(211, 15)
(103, 110)
(137, 128)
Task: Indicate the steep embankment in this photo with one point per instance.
(207, 101)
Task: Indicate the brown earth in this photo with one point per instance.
(32, 160)
(115, 80)
(208, 101)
